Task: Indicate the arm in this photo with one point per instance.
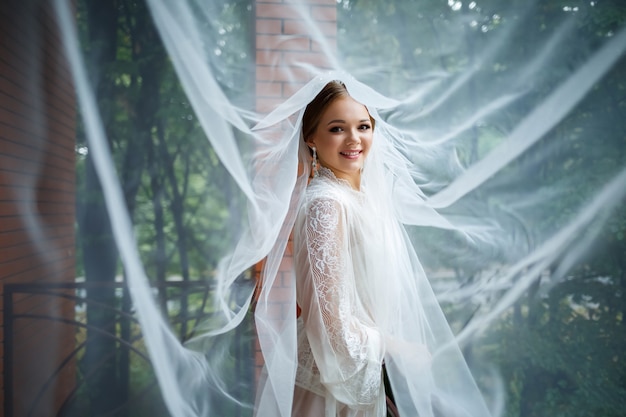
(345, 343)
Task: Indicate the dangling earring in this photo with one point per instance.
(314, 163)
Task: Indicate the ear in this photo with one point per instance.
(310, 142)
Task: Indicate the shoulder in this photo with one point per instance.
(323, 196)
(323, 207)
(323, 189)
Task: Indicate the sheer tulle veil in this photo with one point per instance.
(434, 201)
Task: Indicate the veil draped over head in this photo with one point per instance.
(457, 110)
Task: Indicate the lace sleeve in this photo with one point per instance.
(347, 347)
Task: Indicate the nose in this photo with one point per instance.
(354, 136)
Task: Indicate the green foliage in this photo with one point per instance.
(163, 159)
(182, 203)
(561, 351)
(566, 354)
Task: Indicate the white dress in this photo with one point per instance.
(340, 348)
(365, 298)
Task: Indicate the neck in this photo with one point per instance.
(354, 180)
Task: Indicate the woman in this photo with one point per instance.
(340, 350)
(358, 285)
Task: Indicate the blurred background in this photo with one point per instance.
(71, 342)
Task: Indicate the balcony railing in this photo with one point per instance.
(76, 349)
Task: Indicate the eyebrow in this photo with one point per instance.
(343, 121)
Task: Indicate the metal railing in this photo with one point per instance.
(101, 316)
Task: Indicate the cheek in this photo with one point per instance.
(367, 144)
(325, 146)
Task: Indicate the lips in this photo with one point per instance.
(351, 154)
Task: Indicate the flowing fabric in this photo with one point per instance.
(365, 298)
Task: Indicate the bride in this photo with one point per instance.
(362, 297)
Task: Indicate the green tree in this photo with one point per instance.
(173, 190)
(561, 347)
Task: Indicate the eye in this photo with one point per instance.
(336, 129)
(365, 126)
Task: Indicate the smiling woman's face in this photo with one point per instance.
(343, 139)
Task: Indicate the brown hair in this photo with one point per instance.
(315, 109)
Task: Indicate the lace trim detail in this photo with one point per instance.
(329, 174)
(348, 337)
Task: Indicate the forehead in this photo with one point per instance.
(345, 108)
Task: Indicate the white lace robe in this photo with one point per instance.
(340, 350)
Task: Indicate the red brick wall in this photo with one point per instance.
(283, 41)
(37, 130)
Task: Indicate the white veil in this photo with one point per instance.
(424, 166)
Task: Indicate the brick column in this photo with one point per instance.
(283, 40)
(37, 175)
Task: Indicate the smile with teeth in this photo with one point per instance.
(350, 154)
